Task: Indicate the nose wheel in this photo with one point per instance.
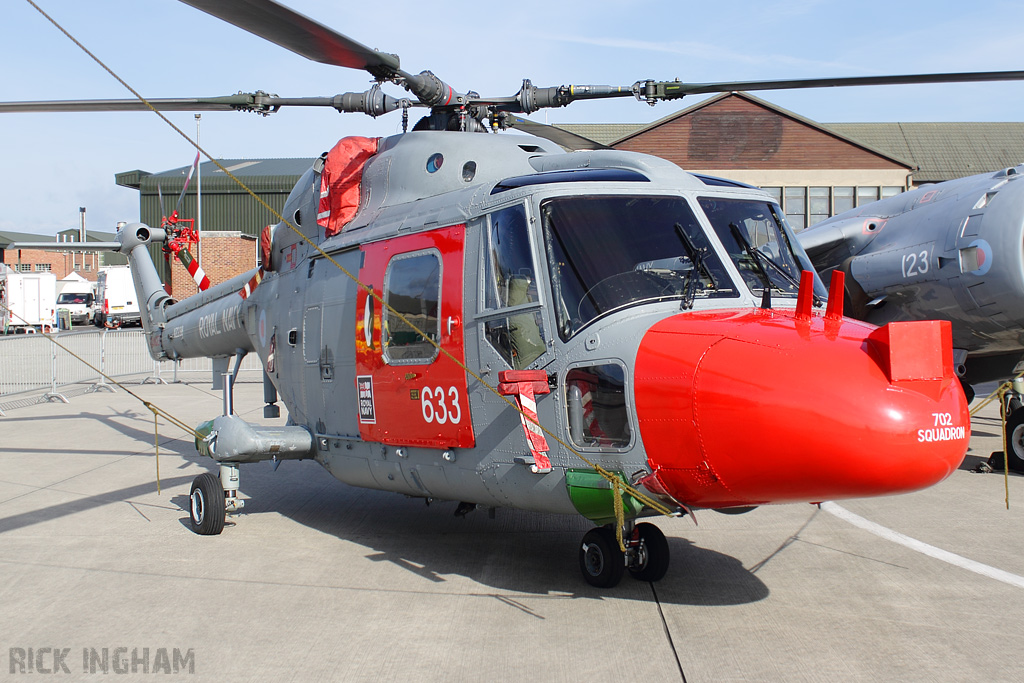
(1015, 440)
(651, 556)
(603, 563)
(206, 505)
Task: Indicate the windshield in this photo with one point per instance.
(608, 252)
(753, 234)
(69, 298)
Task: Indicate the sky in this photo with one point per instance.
(52, 164)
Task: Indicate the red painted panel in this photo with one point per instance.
(424, 404)
(747, 408)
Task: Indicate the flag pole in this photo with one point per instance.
(199, 199)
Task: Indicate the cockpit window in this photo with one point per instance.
(758, 242)
(609, 252)
(510, 282)
(510, 279)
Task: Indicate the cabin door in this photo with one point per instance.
(410, 392)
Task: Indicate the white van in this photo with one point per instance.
(79, 299)
(116, 294)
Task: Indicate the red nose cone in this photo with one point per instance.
(748, 408)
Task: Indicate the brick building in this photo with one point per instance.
(61, 264)
(814, 170)
(225, 206)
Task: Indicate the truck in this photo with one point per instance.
(119, 304)
(78, 297)
(29, 301)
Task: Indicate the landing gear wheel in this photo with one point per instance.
(1015, 441)
(652, 556)
(968, 391)
(206, 505)
(601, 561)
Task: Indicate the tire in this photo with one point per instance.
(968, 391)
(1015, 441)
(206, 505)
(601, 561)
(653, 555)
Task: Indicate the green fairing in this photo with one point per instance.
(203, 431)
(593, 498)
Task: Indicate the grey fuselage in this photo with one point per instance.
(306, 322)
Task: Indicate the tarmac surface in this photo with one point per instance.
(321, 581)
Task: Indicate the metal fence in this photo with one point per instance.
(33, 362)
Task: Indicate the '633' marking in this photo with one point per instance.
(440, 405)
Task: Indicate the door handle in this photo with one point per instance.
(368, 319)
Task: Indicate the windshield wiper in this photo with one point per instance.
(760, 259)
(697, 260)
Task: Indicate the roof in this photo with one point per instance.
(822, 128)
(629, 131)
(943, 151)
(939, 151)
(7, 237)
(604, 133)
(266, 173)
(90, 235)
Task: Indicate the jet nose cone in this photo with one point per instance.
(779, 409)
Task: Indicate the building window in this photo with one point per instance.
(819, 201)
(796, 207)
(42, 267)
(775, 192)
(866, 195)
(25, 267)
(87, 267)
(891, 191)
(842, 198)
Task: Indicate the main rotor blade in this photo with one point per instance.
(373, 102)
(669, 90)
(300, 34)
(559, 136)
(187, 104)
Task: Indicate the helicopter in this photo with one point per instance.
(455, 314)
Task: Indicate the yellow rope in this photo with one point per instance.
(618, 485)
(156, 445)
(153, 408)
(619, 516)
(999, 394)
(1003, 389)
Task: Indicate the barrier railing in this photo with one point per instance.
(31, 362)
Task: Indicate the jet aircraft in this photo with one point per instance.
(949, 251)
